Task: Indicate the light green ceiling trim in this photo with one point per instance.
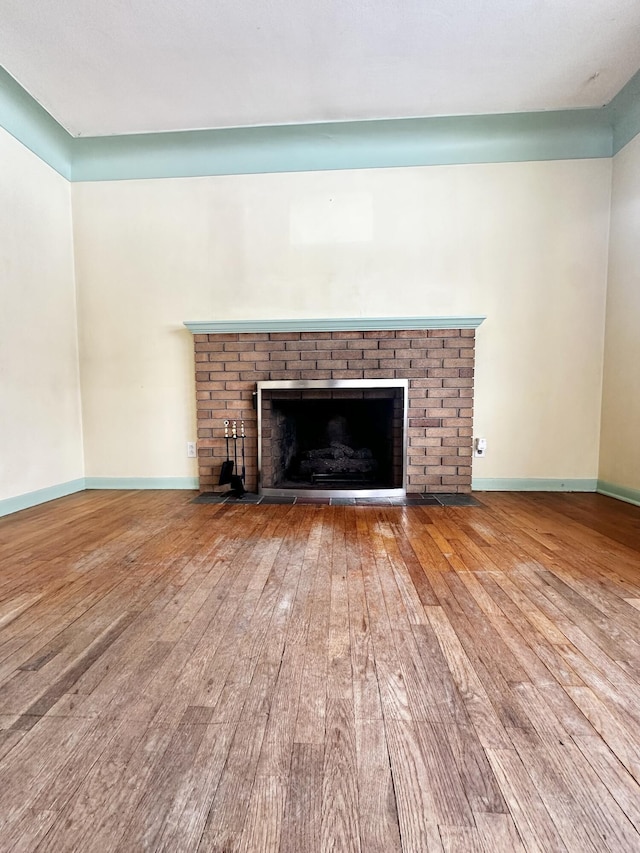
(31, 124)
(328, 324)
(623, 113)
(573, 134)
(347, 145)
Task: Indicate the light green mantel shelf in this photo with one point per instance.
(339, 324)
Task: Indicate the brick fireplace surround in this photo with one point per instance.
(438, 363)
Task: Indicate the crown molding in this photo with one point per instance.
(31, 124)
(455, 140)
(579, 134)
(623, 113)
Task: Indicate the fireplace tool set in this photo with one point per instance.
(227, 477)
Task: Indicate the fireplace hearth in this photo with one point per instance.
(339, 438)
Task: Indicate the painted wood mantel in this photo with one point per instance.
(331, 324)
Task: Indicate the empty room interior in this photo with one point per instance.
(319, 426)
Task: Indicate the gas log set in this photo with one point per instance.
(335, 457)
(337, 463)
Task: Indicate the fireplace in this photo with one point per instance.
(433, 361)
(336, 438)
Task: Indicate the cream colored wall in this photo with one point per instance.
(40, 422)
(620, 447)
(523, 243)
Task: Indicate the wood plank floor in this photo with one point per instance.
(180, 677)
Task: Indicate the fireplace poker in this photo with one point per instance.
(234, 434)
(243, 436)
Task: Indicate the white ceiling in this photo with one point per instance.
(103, 67)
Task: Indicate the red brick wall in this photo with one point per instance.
(437, 362)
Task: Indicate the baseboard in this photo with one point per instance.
(51, 493)
(41, 496)
(621, 493)
(518, 484)
(141, 483)
(479, 484)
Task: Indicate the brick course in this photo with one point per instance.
(438, 363)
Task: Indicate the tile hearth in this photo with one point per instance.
(426, 499)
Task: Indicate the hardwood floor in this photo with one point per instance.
(179, 677)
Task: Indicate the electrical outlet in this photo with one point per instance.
(480, 447)
(191, 449)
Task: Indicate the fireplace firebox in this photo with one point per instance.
(339, 438)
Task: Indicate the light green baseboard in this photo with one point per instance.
(518, 484)
(40, 496)
(51, 493)
(141, 483)
(479, 484)
(622, 493)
